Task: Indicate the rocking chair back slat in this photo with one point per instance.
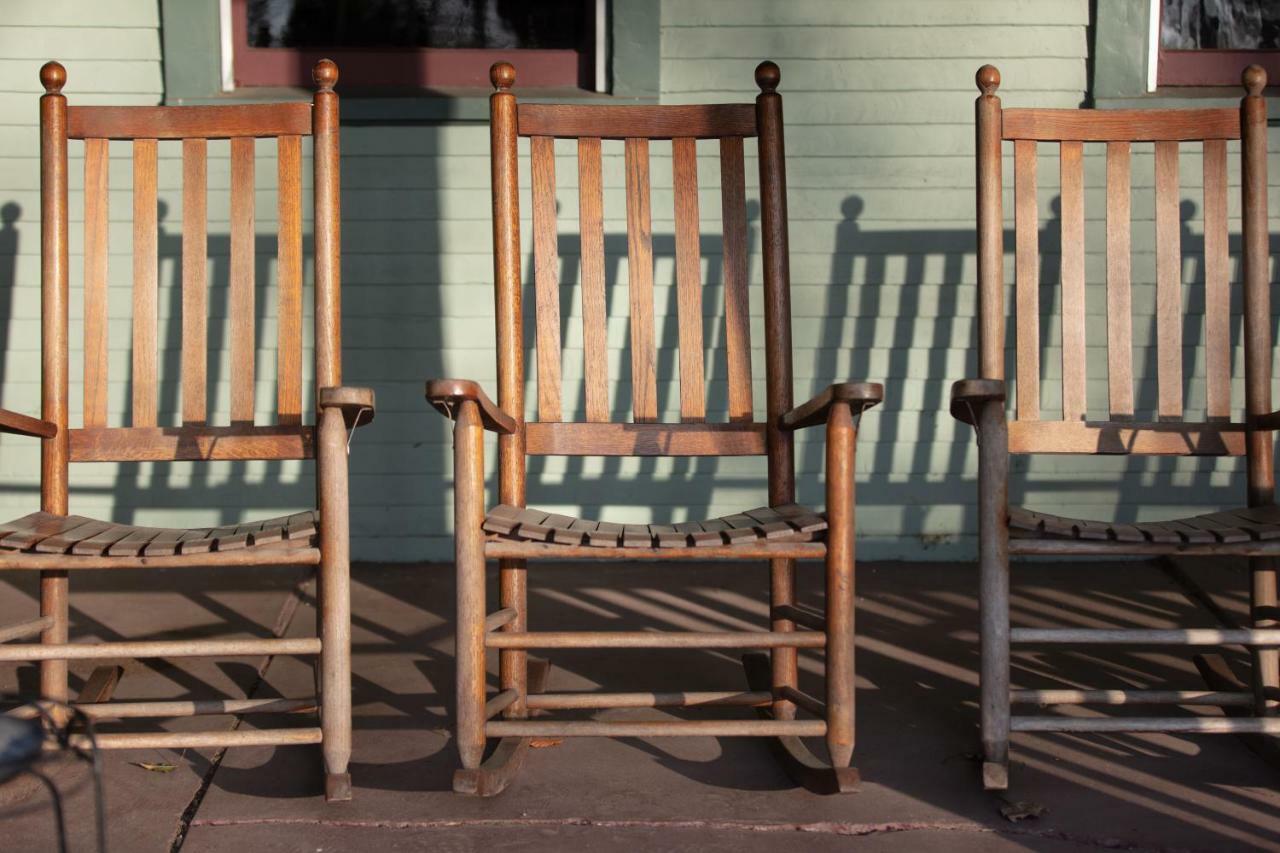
(243, 340)
(546, 273)
(289, 281)
(1119, 292)
(1072, 277)
(145, 283)
(591, 227)
(1217, 295)
(684, 156)
(640, 281)
(1027, 279)
(96, 221)
(1168, 284)
(195, 290)
(737, 309)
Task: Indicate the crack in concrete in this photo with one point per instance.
(818, 827)
(287, 611)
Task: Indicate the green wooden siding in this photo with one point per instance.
(879, 110)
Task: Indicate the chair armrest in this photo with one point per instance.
(1269, 421)
(356, 404)
(17, 424)
(444, 395)
(861, 395)
(968, 395)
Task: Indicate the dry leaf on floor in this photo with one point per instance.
(544, 742)
(155, 767)
(1021, 810)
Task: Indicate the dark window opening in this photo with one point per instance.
(1210, 42)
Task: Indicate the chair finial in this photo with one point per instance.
(325, 73)
(1254, 79)
(502, 75)
(988, 78)
(53, 76)
(768, 76)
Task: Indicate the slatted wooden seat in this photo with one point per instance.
(1212, 428)
(788, 523)
(52, 541)
(45, 533)
(778, 531)
(1244, 526)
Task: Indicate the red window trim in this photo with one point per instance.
(1213, 67)
(400, 68)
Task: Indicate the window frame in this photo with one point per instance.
(422, 69)
(1204, 67)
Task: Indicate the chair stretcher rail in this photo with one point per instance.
(655, 699)
(199, 740)
(1186, 725)
(160, 649)
(181, 708)
(1178, 637)
(24, 629)
(655, 640)
(1132, 697)
(674, 728)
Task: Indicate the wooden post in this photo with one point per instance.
(990, 228)
(1257, 330)
(468, 507)
(53, 364)
(513, 664)
(334, 588)
(841, 435)
(777, 321)
(327, 227)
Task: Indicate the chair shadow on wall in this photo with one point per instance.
(688, 484)
(918, 372)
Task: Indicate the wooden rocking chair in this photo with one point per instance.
(780, 532)
(1251, 531)
(54, 542)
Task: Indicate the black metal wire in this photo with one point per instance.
(55, 800)
(63, 735)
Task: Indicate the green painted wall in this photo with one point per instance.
(879, 106)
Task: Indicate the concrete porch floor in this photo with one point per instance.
(917, 721)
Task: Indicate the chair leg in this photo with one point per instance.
(469, 558)
(993, 596)
(994, 609)
(513, 664)
(333, 592)
(1265, 613)
(840, 601)
(783, 661)
(54, 590)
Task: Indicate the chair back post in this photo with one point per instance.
(990, 228)
(505, 177)
(53, 287)
(54, 452)
(777, 283)
(328, 294)
(1257, 297)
